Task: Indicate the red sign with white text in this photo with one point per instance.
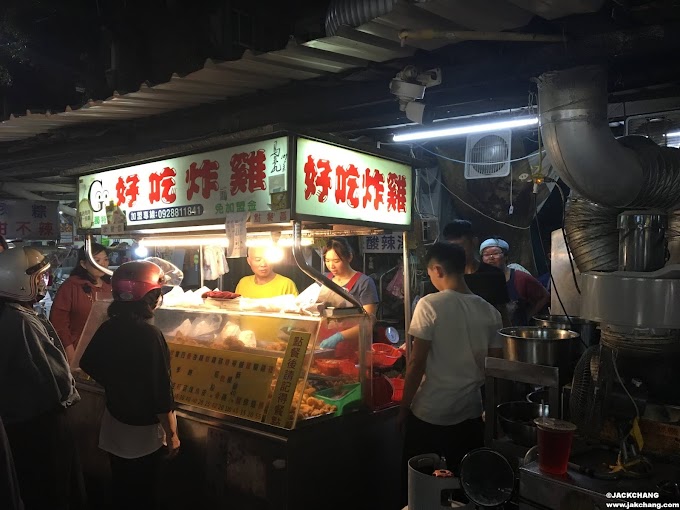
(337, 183)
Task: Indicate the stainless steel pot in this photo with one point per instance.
(541, 346)
(517, 420)
(588, 331)
(642, 242)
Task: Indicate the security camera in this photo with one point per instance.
(409, 86)
(419, 113)
(407, 92)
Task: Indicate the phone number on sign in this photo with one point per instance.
(168, 213)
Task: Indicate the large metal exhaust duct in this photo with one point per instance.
(631, 172)
(573, 113)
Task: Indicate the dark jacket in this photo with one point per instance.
(131, 360)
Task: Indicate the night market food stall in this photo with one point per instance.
(267, 418)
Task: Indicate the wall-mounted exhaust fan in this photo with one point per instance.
(487, 155)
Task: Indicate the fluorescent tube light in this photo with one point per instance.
(185, 241)
(259, 242)
(267, 241)
(179, 230)
(288, 241)
(465, 130)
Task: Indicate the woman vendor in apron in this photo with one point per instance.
(338, 256)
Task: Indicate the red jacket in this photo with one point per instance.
(72, 305)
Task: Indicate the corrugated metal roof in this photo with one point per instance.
(350, 49)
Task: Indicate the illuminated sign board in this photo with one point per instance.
(199, 188)
(334, 183)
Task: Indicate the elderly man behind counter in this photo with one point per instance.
(264, 283)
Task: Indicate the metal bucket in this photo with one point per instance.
(642, 242)
(588, 331)
(540, 346)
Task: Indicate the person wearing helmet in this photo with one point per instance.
(38, 388)
(129, 357)
(74, 299)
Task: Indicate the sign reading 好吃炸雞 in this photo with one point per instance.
(339, 183)
(198, 187)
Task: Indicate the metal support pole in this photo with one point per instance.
(407, 294)
(90, 257)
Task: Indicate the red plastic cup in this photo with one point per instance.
(554, 444)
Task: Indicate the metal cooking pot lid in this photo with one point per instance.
(487, 477)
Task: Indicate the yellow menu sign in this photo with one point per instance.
(279, 408)
(234, 383)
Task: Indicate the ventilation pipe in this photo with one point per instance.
(19, 191)
(68, 211)
(631, 172)
(355, 13)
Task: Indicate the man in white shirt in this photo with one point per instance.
(454, 330)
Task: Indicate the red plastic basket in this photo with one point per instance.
(330, 367)
(397, 388)
(384, 355)
(349, 367)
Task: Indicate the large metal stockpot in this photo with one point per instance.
(540, 346)
(588, 331)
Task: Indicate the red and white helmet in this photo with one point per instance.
(134, 280)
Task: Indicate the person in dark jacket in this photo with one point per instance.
(483, 279)
(129, 357)
(37, 389)
(10, 498)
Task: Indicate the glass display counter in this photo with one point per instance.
(263, 367)
(266, 418)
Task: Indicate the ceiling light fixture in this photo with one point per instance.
(465, 130)
(179, 230)
(185, 241)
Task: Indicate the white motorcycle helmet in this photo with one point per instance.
(23, 273)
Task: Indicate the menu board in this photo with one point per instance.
(234, 383)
